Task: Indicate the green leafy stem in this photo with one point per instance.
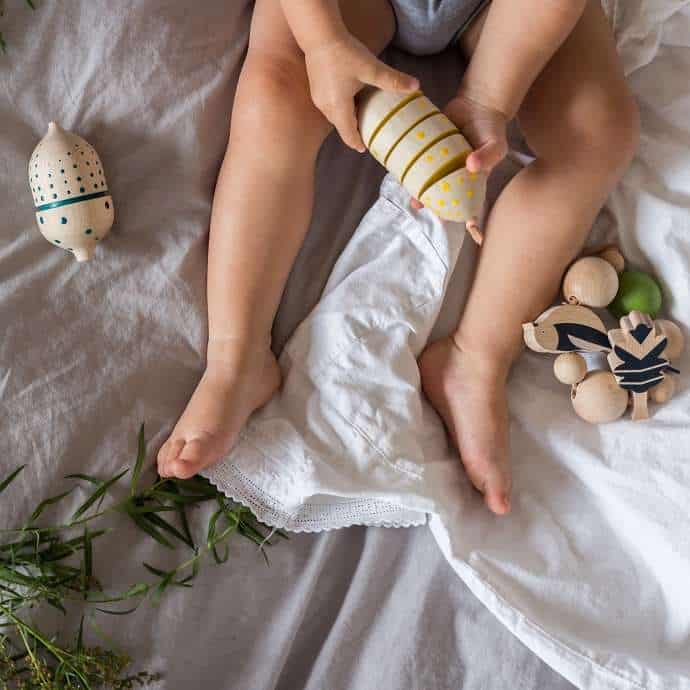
(53, 565)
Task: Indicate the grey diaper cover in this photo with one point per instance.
(426, 27)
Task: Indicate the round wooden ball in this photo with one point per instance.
(570, 368)
(590, 281)
(674, 336)
(614, 257)
(663, 391)
(599, 399)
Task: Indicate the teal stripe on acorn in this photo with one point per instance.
(74, 209)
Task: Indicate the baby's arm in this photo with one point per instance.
(338, 65)
(518, 39)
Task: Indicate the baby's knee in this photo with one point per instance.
(606, 128)
(275, 93)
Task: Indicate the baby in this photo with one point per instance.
(552, 64)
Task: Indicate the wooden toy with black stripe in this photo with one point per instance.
(424, 150)
(638, 353)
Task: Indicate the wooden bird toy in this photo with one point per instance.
(74, 209)
(636, 359)
(566, 328)
(425, 151)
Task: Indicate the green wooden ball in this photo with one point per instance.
(637, 291)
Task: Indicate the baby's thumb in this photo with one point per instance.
(390, 79)
(487, 157)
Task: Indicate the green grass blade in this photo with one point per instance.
(181, 499)
(134, 591)
(138, 465)
(56, 604)
(87, 563)
(117, 613)
(8, 480)
(151, 531)
(147, 509)
(196, 485)
(160, 523)
(80, 636)
(85, 477)
(100, 491)
(182, 513)
(155, 571)
(45, 504)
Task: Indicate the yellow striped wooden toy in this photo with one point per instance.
(425, 151)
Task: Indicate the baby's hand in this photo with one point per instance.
(483, 127)
(337, 71)
(485, 130)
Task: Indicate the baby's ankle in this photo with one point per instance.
(491, 363)
(229, 353)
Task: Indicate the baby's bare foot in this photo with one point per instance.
(469, 393)
(236, 382)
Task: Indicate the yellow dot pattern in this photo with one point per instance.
(421, 135)
(458, 197)
(431, 167)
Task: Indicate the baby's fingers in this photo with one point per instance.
(416, 205)
(484, 159)
(345, 121)
(385, 77)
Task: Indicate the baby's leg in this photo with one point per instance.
(261, 211)
(582, 124)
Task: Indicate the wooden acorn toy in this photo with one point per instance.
(425, 151)
(74, 209)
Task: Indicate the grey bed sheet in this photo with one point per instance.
(88, 351)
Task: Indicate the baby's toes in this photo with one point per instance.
(497, 494)
(169, 451)
(195, 455)
(491, 476)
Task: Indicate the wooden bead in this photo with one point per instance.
(599, 399)
(590, 281)
(675, 337)
(613, 256)
(570, 368)
(664, 391)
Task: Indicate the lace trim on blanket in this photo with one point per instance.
(309, 517)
